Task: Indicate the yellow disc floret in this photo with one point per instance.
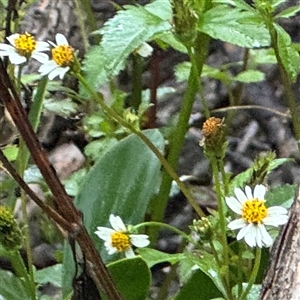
(25, 44)
(120, 241)
(254, 211)
(63, 55)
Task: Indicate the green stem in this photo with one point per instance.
(161, 158)
(177, 137)
(136, 95)
(222, 218)
(253, 274)
(167, 226)
(22, 163)
(285, 81)
(21, 271)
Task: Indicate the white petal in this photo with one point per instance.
(240, 195)
(61, 39)
(63, 71)
(17, 59)
(244, 231)
(250, 236)
(12, 38)
(42, 46)
(234, 205)
(7, 48)
(237, 224)
(266, 238)
(129, 253)
(109, 248)
(259, 192)
(277, 210)
(104, 233)
(145, 50)
(276, 220)
(248, 192)
(139, 240)
(59, 71)
(117, 223)
(258, 237)
(41, 57)
(47, 67)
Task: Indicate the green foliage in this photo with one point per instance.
(121, 182)
(132, 277)
(11, 287)
(281, 196)
(234, 25)
(121, 36)
(250, 76)
(287, 52)
(153, 257)
(49, 275)
(195, 266)
(199, 286)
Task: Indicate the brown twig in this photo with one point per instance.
(65, 209)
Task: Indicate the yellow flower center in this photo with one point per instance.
(120, 241)
(254, 211)
(63, 55)
(25, 44)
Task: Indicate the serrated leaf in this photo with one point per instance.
(169, 39)
(123, 34)
(288, 54)
(281, 196)
(153, 257)
(235, 26)
(289, 12)
(250, 76)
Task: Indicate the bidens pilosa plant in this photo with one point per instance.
(112, 223)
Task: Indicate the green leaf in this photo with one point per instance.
(250, 76)
(72, 184)
(199, 286)
(287, 52)
(11, 152)
(207, 264)
(63, 108)
(169, 39)
(121, 36)
(289, 12)
(121, 182)
(153, 257)
(11, 287)
(132, 277)
(281, 196)
(253, 293)
(98, 148)
(235, 26)
(50, 274)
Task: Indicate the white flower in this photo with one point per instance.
(144, 50)
(62, 58)
(22, 47)
(255, 216)
(118, 239)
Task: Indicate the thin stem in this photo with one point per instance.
(167, 226)
(253, 274)
(136, 95)
(152, 147)
(285, 81)
(222, 218)
(21, 271)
